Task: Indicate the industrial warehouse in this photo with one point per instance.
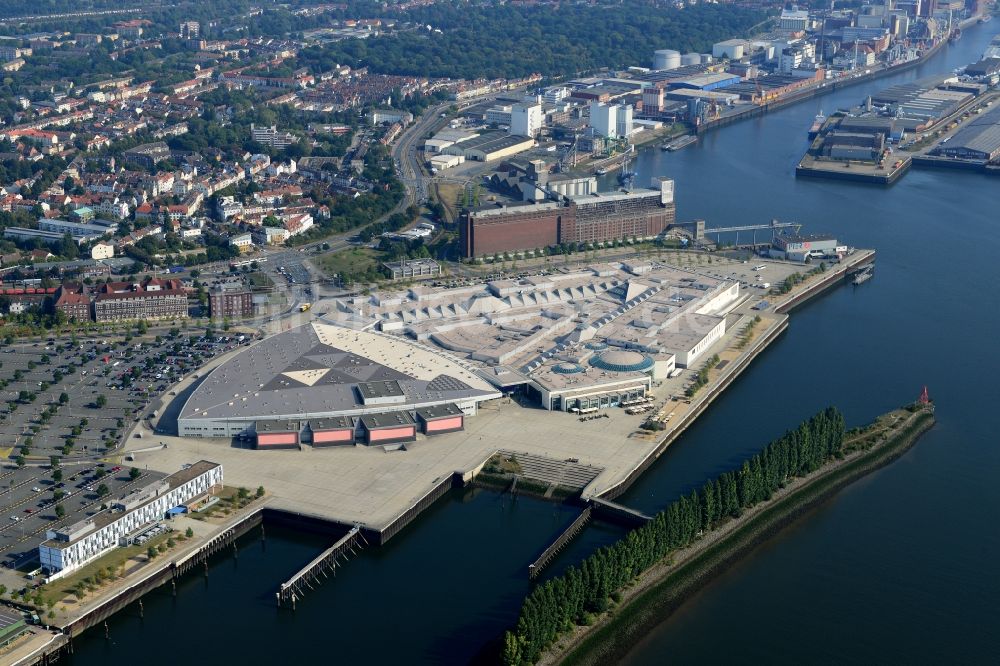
(327, 385)
(978, 141)
(555, 218)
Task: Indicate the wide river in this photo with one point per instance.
(899, 568)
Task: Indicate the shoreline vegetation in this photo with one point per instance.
(596, 611)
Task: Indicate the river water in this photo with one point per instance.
(898, 568)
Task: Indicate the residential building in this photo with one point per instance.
(270, 235)
(147, 154)
(76, 229)
(380, 116)
(242, 242)
(230, 301)
(69, 547)
(102, 251)
(270, 136)
(190, 29)
(151, 299)
(113, 208)
(13, 53)
(72, 302)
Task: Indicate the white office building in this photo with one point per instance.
(794, 20)
(70, 547)
(526, 119)
(498, 115)
(555, 95)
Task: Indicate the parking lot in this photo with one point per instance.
(294, 272)
(30, 498)
(65, 405)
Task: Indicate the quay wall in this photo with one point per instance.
(164, 573)
(832, 277)
(817, 91)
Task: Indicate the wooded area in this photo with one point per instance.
(504, 41)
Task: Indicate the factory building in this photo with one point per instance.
(593, 218)
(69, 547)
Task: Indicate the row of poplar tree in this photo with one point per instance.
(563, 601)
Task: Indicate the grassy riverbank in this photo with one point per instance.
(660, 590)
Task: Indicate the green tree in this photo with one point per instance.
(19, 461)
(60, 511)
(100, 401)
(151, 552)
(57, 475)
(189, 533)
(102, 490)
(260, 491)
(134, 473)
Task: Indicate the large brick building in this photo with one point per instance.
(150, 299)
(594, 218)
(230, 302)
(72, 302)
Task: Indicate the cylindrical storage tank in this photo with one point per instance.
(707, 59)
(691, 59)
(666, 59)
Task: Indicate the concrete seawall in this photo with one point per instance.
(833, 276)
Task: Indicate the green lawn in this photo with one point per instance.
(356, 260)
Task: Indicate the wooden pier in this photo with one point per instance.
(294, 588)
(535, 568)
